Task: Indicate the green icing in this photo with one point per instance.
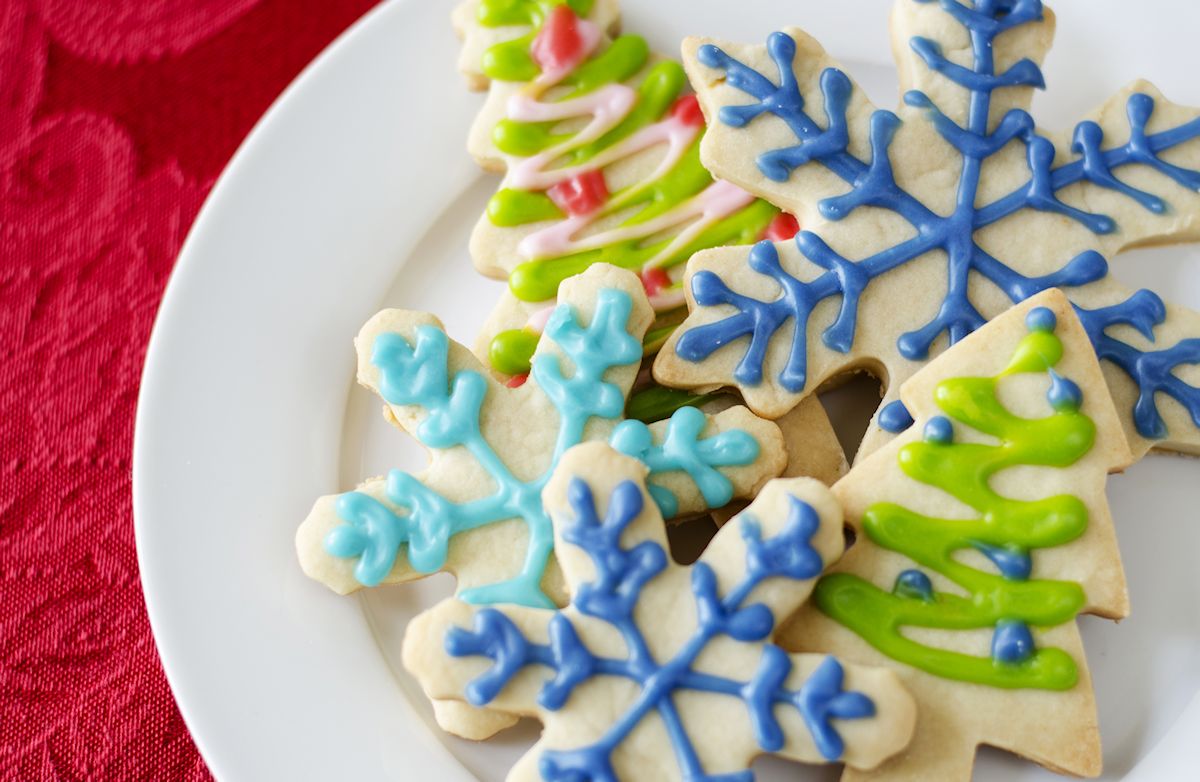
(499, 13)
(656, 93)
(510, 60)
(511, 351)
(525, 139)
(622, 60)
(511, 207)
(657, 403)
(686, 178)
(963, 470)
(538, 280)
(625, 57)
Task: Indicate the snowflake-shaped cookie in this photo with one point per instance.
(924, 223)
(477, 511)
(659, 671)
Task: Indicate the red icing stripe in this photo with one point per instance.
(558, 46)
(654, 280)
(581, 194)
(687, 111)
(782, 228)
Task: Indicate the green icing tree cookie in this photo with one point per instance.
(600, 150)
(982, 533)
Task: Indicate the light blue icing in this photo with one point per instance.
(420, 375)
(620, 575)
(683, 449)
(871, 183)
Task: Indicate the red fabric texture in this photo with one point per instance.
(115, 119)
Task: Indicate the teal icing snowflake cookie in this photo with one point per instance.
(923, 223)
(658, 671)
(476, 510)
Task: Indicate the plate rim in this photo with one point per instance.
(187, 261)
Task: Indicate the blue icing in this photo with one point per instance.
(822, 699)
(684, 450)
(1041, 319)
(914, 584)
(1064, 393)
(374, 535)
(621, 573)
(871, 183)
(1015, 565)
(419, 374)
(1153, 370)
(1012, 642)
(894, 417)
(939, 430)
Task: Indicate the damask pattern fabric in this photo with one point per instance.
(115, 119)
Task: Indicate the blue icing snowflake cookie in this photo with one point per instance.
(660, 671)
(921, 224)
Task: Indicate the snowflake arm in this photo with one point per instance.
(1153, 368)
(759, 569)
(684, 449)
(594, 350)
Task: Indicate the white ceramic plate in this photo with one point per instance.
(355, 193)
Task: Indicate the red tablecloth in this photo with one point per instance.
(115, 119)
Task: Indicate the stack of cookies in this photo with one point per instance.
(687, 269)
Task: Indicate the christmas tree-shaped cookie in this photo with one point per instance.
(599, 146)
(923, 223)
(657, 671)
(982, 532)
